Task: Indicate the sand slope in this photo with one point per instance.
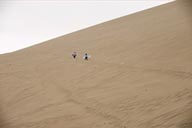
(139, 76)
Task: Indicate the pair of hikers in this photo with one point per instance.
(74, 55)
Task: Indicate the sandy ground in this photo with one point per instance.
(139, 75)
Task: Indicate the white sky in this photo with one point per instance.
(27, 22)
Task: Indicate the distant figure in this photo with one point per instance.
(86, 56)
(74, 55)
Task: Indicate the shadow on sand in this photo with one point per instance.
(3, 121)
(187, 124)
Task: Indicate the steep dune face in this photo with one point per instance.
(139, 76)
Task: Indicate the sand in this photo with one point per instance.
(139, 75)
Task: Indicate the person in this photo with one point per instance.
(86, 56)
(74, 55)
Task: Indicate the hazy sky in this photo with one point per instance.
(27, 22)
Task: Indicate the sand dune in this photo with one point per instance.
(139, 76)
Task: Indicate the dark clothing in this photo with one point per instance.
(86, 57)
(74, 55)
